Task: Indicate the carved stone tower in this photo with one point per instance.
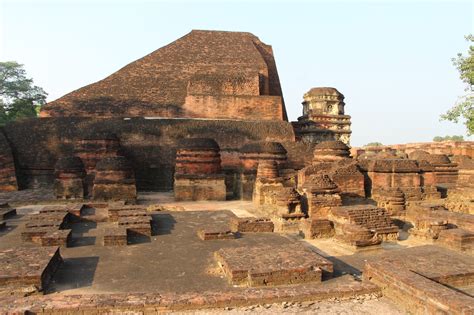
(323, 117)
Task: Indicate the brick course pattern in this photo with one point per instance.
(8, 180)
(204, 74)
(147, 302)
(285, 264)
(23, 266)
(208, 234)
(425, 280)
(251, 225)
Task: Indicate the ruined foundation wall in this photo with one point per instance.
(149, 144)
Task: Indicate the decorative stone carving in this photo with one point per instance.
(323, 117)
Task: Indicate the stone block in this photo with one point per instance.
(24, 266)
(317, 228)
(56, 238)
(246, 225)
(115, 237)
(284, 264)
(193, 188)
(457, 239)
(207, 234)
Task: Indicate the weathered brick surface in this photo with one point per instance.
(252, 225)
(148, 302)
(114, 180)
(150, 144)
(363, 225)
(457, 239)
(29, 265)
(204, 74)
(57, 238)
(216, 233)
(317, 228)
(209, 187)
(115, 236)
(115, 212)
(286, 264)
(8, 180)
(414, 279)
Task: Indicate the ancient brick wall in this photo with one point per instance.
(7, 167)
(450, 148)
(150, 144)
(212, 63)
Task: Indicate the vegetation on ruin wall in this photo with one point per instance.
(448, 138)
(464, 108)
(19, 98)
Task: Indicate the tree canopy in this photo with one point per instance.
(19, 97)
(464, 108)
(448, 138)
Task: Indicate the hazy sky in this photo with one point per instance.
(392, 60)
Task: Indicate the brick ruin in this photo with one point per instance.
(323, 117)
(192, 142)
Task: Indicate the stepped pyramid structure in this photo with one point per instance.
(204, 74)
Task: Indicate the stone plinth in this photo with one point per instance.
(392, 173)
(198, 174)
(273, 194)
(317, 228)
(24, 266)
(323, 117)
(92, 148)
(114, 180)
(251, 225)
(392, 199)
(251, 155)
(332, 158)
(272, 265)
(445, 171)
(363, 225)
(70, 174)
(208, 234)
(465, 170)
(457, 239)
(192, 187)
(321, 193)
(424, 279)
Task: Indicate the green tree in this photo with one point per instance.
(373, 144)
(19, 98)
(448, 138)
(464, 108)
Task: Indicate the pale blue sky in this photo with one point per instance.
(392, 60)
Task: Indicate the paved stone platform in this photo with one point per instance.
(272, 265)
(425, 279)
(22, 266)
(151, 303)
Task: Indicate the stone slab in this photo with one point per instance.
(207, 234)
(115, 237)
(425, 279)
(56, 238)
(272, 265)
(29, 265)
(251, 225)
